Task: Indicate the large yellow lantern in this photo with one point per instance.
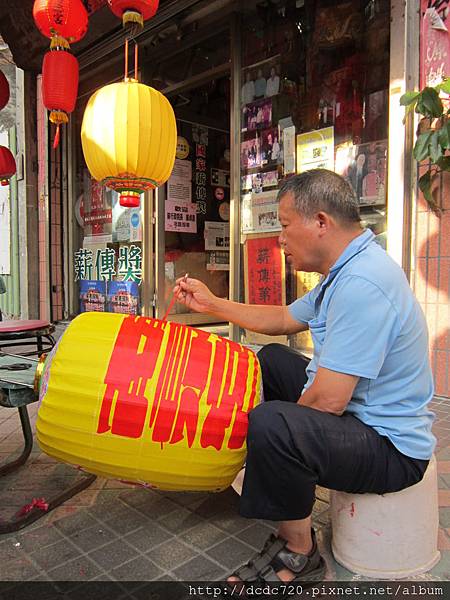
(148, 401)
(129, 138)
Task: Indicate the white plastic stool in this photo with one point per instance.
(388, 537)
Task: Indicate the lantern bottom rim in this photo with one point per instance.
(125, 183)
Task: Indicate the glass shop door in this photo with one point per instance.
(192, 210)
(192, 219)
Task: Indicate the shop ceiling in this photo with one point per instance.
(178, 24)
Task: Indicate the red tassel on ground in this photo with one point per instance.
(35, 503)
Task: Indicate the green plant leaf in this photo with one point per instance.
(444, 163)
(444, 86)
(444, 136)
(408, 110)
(408, 98)
(426, 185)
(429, 103)
(435, 147)
(421, 148)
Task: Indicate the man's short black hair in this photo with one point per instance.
(321, 189)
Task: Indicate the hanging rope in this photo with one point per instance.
(126, 59)
(135, 61)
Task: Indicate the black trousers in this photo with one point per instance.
(293, 448)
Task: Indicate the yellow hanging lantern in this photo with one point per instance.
(129, 138)
(148, 401)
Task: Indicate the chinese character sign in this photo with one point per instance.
(83, 264)
(107, 266)
(264, 267)
(200, 180)
(315, 150)
(434, 42)
(181, 217)
(163, 403)
(130, 264)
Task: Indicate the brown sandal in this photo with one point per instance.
(263, 567)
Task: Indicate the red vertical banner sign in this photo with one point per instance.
(264, 271)
(434, 42)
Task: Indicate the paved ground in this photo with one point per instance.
(114, 532)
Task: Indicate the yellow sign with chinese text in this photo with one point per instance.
(315, 150)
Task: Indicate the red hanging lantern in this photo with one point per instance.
(4, 91)
(59, 86)
(134, 12)
(7, 165)
(63, 21)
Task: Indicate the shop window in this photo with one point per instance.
(108, 261)
(197, 211)
(315, 78)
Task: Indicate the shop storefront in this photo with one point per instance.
(259, 95)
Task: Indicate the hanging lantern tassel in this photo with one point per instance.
(58, 117)
(131, 19)
(59, 43)
(134, 13)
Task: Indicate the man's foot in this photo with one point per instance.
(276, 563)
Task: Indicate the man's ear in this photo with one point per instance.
(323, 222)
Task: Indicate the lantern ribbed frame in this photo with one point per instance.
(60, 74)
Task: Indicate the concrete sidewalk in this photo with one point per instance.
(116, 532)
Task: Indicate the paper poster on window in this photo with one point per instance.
(126, 222)
(123, 297)
(289, 149)
(264, 271)
(182, 168)
(97, 209)
(217, 235)
(364, 166)
(435, 43)
(260, 213)
(181, 217)
(251, 153)
(271, 152)
(305, 283)
(92, 296)
(220, 177)
(315, 150)
(218, 260)
(179, 189)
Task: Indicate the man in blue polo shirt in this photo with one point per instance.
(355, 417)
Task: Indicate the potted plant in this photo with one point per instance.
(433, 135)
